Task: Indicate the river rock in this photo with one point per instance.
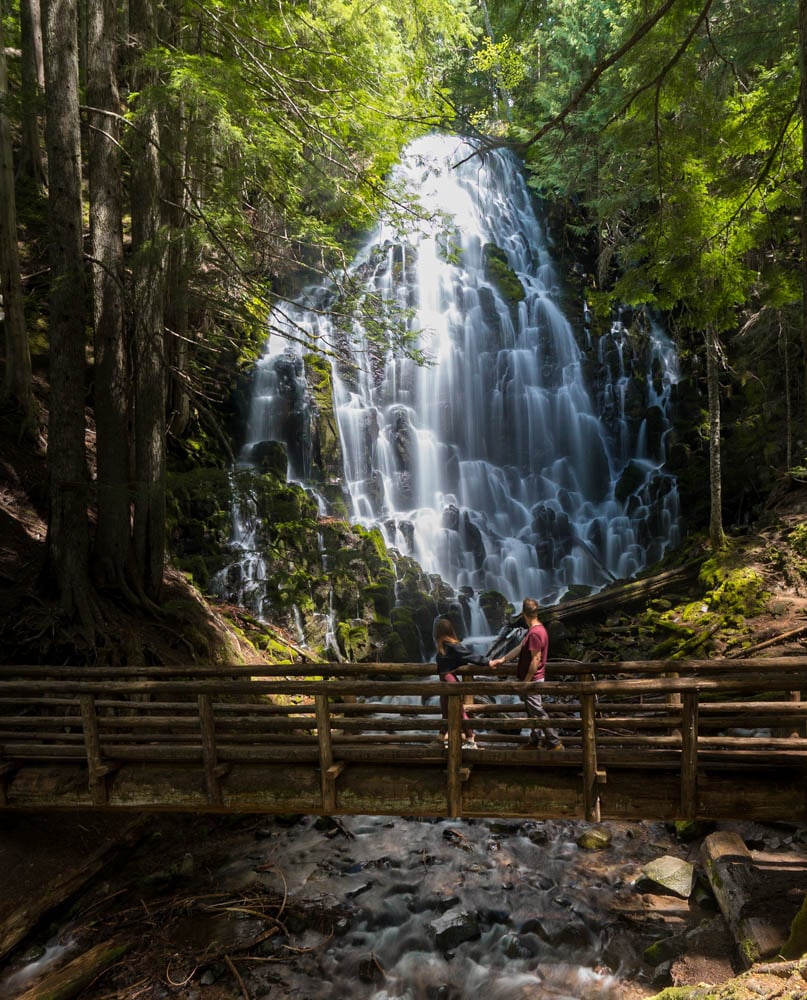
(454, 927)
(596, 838)
(672, 875)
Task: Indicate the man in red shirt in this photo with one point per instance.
(532, 653)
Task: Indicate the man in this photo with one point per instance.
(532, 654)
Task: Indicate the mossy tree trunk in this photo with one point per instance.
(31, 164)
(68, 535)
(17, 384)
(716, 534)
(148, 277)
(112, 376)
(803, 221)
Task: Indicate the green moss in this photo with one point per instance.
(796, 944)
(662, 951)
(733, 592)
(499, 273)
(353, 639)
(382, 598)
(798, 539)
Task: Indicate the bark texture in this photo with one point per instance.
(112, 375)
(67, 525)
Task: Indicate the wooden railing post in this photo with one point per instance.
(591, 797)
(207, 725)
(328, 771)
(96, 771)
(689, 757)
(454, 777)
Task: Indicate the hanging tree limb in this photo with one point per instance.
(572, 104)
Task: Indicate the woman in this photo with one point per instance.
(452, 656)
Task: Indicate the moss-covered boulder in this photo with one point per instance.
(499, 273)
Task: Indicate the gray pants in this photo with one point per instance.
(536, 710)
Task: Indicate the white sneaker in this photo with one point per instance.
(470, 745)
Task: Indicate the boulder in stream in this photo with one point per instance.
(670, 875)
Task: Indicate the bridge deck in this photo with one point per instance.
(649, 740)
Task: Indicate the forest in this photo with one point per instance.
(173, 174)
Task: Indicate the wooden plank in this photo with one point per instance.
(210, 757)
(453, 775)
(326, 763)
(744, 681)
(689, 757)
(591, 797)
(96, 771)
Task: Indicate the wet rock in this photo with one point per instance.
(596, 838)
(369, 971)
(359, 890)
(668, 874)
(454, 927)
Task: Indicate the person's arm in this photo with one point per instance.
(466, 657)
(535, 665)
(512, 655)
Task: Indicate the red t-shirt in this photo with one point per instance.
(537, 641)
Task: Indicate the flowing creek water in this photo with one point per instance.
(408, 910)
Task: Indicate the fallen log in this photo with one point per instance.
(620, 596)
(21, 921)
(773, 641)
(77, 975)
(735, 882)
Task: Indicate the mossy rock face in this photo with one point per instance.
(354, 639)
(496, 608)
(499, 273)
(408, 640)
(270, 458)
(326, 447)
(734, 592)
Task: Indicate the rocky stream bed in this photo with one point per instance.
(213, 908)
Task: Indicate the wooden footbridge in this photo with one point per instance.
(711, 739)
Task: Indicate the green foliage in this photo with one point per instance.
(798, 539)
(683, 159)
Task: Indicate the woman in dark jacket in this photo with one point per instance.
(452, 656)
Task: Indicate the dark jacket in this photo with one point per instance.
(457, 655)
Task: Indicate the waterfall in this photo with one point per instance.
(519, 457)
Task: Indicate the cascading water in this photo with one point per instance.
(516, 460)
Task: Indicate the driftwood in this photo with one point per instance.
(736, 881)
(22, 920)
(77, 975)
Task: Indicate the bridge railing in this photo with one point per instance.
(665, 714)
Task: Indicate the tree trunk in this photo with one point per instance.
(17, 384)
(32, 163)
(803, 228)
(716, 535)
(67, 542)
(148, 276)
(175, 142)
(112, 375)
